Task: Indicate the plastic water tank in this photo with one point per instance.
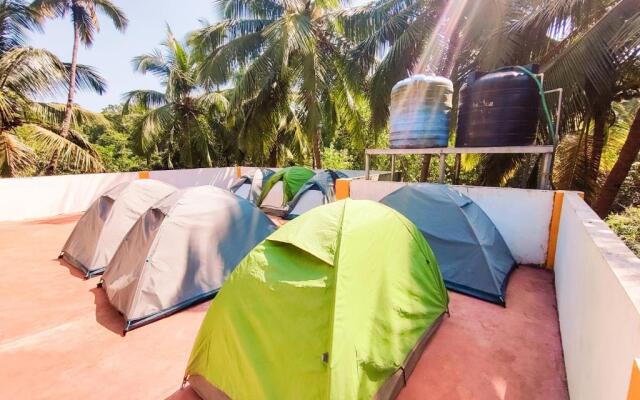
(420, 108)
(498, 109)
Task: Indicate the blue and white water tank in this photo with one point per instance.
(420, 112)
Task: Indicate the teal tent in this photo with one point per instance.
(473, 256)
(317, 191)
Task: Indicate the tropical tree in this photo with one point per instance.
(296, 81)
(84, 17)
(182, 121)
(27, 73)
(615, 179)
(16, 19)
(577, 43)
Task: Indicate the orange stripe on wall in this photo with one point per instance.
(634, 384)
(238, 171)
(343, 189)
(143, 175)
(554, 228)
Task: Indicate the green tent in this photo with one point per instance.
(292, 179)
(337, 304)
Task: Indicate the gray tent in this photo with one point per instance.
(317, 191)
(99, 232)
(473, 256)
(181, 251)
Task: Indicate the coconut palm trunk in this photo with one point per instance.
(84, 16)
(628, 154)
(317, 154)
(66, 124)
(68, 113)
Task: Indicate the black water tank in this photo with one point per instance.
(499, 108)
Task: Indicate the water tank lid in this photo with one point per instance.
(427, 79)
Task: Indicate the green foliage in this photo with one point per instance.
(297, 83)
(181, 123)
(627, 226)
(629, 194)
(115, 151)
(336, 159)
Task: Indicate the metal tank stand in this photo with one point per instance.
(547, 151)
(544, 178)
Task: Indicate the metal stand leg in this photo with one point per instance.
(442, 168)
(393, 167)
(366, 166)
(544, 180)
(456, 174)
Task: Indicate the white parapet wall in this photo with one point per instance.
(598, 293)
(40, 197)
(522, 216)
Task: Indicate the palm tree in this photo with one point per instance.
(292, 55)
(628, 155)
(592, 64)
(26, 73)
(181, 120)
(16, 19)
(397, 38)
(575, 41)
(84, 16)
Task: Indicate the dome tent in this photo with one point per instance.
(323, 330)
(99, 232)
(180, 252)
(280, 188)
(242, 187)
(473, 256)
(315, 192)
(250, 187)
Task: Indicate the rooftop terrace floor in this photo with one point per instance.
(59, 337)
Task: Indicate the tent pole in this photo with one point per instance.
(442, 167)
(393, 167)
(366, 166)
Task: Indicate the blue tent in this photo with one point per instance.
(317, 191)
(250, 187)
(473, 256)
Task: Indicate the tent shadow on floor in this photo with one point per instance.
(184, 394)
(72, 270)
(106, 315)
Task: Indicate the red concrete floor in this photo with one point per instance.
(59, 338)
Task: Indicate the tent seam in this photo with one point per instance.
(152, 250)
(475, 235)
(336, 259)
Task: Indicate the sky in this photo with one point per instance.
(112, 51)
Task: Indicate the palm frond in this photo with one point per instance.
(586, 62)
(250, 9)
(74, 152)
(16, 20)
(88, 78)
(154, 62)
(115, 14)
(145, 98)
(15, 156)
(52, 114)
